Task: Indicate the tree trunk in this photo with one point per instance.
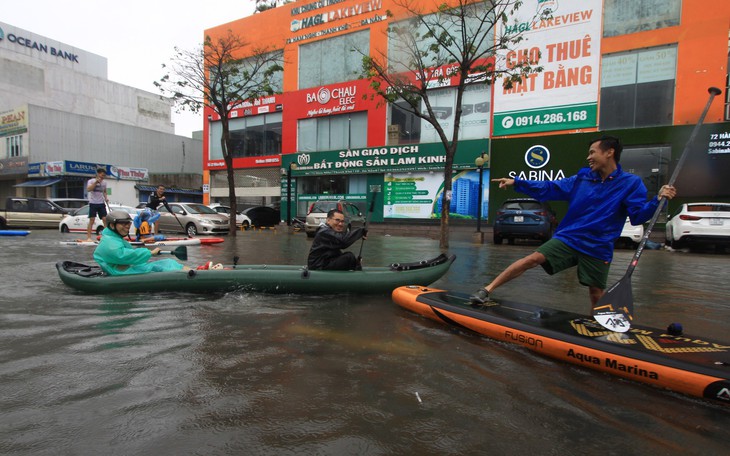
(228, 159)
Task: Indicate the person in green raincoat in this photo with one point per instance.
(116, 256)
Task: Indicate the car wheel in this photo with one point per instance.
(245, 225)
(99, 229)
(310, 234)
(498, 239)
(191, 229)
(64, 229)
(511, 241)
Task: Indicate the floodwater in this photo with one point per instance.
(240, 373)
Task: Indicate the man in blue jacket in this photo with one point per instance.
(600, 197)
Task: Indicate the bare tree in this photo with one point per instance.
(427, 48)
(221, 74)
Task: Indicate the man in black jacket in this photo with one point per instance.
(156, 198)
(326, 248)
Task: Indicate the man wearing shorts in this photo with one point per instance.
(96, 191)
(600, 197)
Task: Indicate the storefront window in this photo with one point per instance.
(621, 17)
(345, 131)
(251, 136)
(637, 88)
(332, 60)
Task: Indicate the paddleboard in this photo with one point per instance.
(692, 365)
(179, 241)
(14, 232)
(80, 242)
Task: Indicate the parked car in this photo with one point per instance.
(70, 204)
(78, 220)
(31, 212)
(317, 215)
(699, 224)
(631, 234)
(241, 220)
(524, 218)
(193, 219)
(259, 216)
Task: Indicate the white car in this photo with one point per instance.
(699, 223)
(241, 220)
(78, 220)
(631, 233)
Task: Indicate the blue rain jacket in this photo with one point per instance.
(116, 256)
(597, 209)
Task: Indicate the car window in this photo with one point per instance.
(44, 207)
(324, 206)
(20, 206)
(531, 205)
(708, 208)
(176, 209)
(512, 206)
(82, 211)
(200, 209)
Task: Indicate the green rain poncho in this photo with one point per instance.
(117, 257)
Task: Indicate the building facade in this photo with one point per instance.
(638, 70)
(59, 115)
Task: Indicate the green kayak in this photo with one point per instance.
(259, 278)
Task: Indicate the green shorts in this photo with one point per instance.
(592, 272)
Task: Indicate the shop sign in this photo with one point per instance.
(325, 101)
(412, 157)
(53, 168)
(27, 42)
(567, 45)
(124, 173)
(83, 168)
(537, 158)
(335, 14)
(719, 143)
(14, 121)
(17, 165)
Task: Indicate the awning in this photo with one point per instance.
(39, 183)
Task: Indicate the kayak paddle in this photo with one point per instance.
(180, 252)
(615, 309)
(367, 219)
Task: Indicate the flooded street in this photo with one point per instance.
(240, 373)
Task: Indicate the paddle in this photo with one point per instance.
(365, 227)
(180, 252)
(615, 309)
(178, 221)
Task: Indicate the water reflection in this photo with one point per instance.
(284, 374)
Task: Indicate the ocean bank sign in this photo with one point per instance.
(28, 42)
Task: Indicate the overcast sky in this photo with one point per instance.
(136, 36)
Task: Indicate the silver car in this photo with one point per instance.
(193, 219)
(318, 214)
